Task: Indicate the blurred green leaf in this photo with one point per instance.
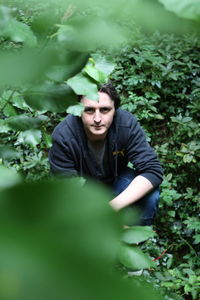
(8, 177)
(67, 236)
(94, 73)
(132, 257)
(4, 126)
(103, 63)
(8, 153)
(75, 110)
(23, 122)
(6, 108)
(189, 9)
(30, 137)
(67, 64)
(50, 97)
(20, 33)
(83, 85)
(5, 16)
(90, 32)
(137, 234)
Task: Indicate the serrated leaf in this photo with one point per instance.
(82, 85)
(23, 122)
(8, 153)
(137, 234)
(132, 257)
(30, 137)
(20, 33)
(75, 110)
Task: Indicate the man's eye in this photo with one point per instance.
(105, 109)
(89, 110)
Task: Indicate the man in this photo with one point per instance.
(100, 144)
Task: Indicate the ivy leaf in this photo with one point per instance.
(137, 234)
(20, 33)
(76, 110)
(83, 85)
(30, 137)
(132, 257)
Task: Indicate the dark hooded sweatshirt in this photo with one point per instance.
(125, 142)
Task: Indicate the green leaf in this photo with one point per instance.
(96, 74)
(8, 177)
(7, 109)
(68, 64)
(187, 158)
(197, 239)
(189, 9)
(20, 33)
(18, 101)
(4, 126)
(50, 97)
(47, 138)
(75, 110)
(132, 257)
(30, 137)
(171, 213)
(8, 153)
(5, 16)
(23, 122)
(137, 234)
(83, 85)
(104, 64)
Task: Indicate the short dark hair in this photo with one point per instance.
(110, 90)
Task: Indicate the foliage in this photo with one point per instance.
(43, 58)
(159, 82)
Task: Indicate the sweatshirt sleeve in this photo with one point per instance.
(142, 156)
(60, 156)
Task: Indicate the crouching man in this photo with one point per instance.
(100, 143)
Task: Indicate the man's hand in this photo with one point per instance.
(137, 189)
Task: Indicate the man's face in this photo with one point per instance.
(97, 116)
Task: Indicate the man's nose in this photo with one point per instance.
(97, 116)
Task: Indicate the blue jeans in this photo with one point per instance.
(141, 212)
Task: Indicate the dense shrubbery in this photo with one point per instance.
(159, 82)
